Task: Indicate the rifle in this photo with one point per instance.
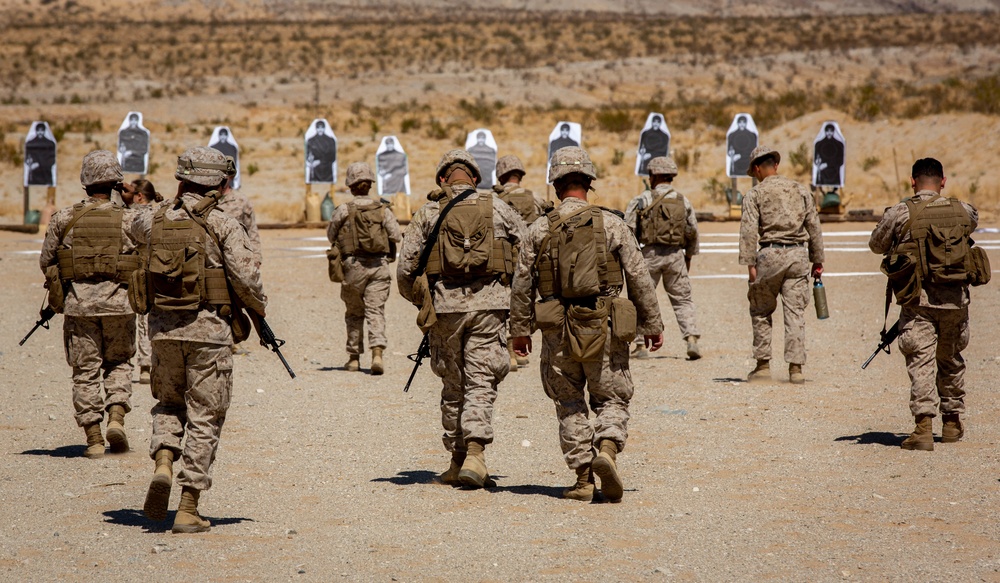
(43, 322)
(423, 351)
(887, 339)
(267, 339)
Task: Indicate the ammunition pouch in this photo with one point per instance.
(335, 265)
(624, 319)
(422, 298)
(904, 277)
(138, 291)
(587, 331)
(550, 314)
(57, 293)
(977, 266)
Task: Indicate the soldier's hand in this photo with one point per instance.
(522, 345)
(752, 272)
(653, 343)
(817, 270)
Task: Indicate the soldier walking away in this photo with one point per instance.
(779, 237)
(664, 222)
(366, 232)
(192, 328)
(455, 263)
(142, 197)
(577, 260)
(237, 205)
(87, 257)
(932, 288)
(510, 172)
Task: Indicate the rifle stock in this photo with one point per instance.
(887, 339)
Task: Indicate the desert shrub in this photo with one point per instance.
(616, 120)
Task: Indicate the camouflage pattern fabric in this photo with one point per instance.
(691, 247)
(785, 272)
(365, 291)
(469, 353)
(341, 213)
(450, 298)
(238, 206)
(540, 203)
(668, 263)
(192, 383)
(143, 349)
(662, 165)
(99, 347)
(889, 232)
(359, 172)
(103, 298)
(779, 210)
(206, 325)
(99, 167)
(608, 387)
(932, 340)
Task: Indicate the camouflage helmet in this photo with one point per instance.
(570, 160)
(509, 163)
(204, 165)
(99, 167)
(663, 165)
(359, 172)
(762, 152)
(458, 156)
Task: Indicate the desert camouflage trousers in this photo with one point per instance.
(668, 263)
(192, 383)
(567, 383)
(143, 349)
(932, 341)
(469, 353)
(365, 291)
(99, 349)
(784, 272)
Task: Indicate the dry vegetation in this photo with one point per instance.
(431, 83)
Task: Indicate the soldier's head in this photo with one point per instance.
(927, 174)
(661, 169)
(657, 121)
(763, 162)
(509, 168)
(458, 167)
(40, 130)
(741, 122)
(100, 173)
(201, 169)
(480, 138)
(390, 144)
(145, 193)
(133, 120)
(359, 178)
(564, 130)
(320, 126)
(571, 172)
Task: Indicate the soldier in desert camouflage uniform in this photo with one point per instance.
(236, 204)
(530, 206)
(142, 196)
(779, 238)
(934, 329)
(365, 288)
(192, 355)
(588, 450)
(668, 255)
(99, 324)
(468, 341)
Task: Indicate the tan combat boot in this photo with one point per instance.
(694, 353)
(583, 489)
(450, 476)
(353, 363)
(640, 352)
(95, 441)
(158, 495)
(762, 373)
(605, 468)
(513, 358)
(795, 374)
(474, 473)
(144, 375)
(116, 429)
(522, 361)
(377, 366)
(187, 520)
(922, 437)
(953, 429)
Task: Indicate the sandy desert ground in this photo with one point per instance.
(331, 476)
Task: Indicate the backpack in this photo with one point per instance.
(574, 260)
(363, 233)
(96, 251)
(465, 248)
(664, 222)
(940, 229)
(523, 201)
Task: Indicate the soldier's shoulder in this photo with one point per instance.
(614, 216)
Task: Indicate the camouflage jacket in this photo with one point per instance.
(340, 217)
(779, 210)
(483, 294)
(238, 206)
(889, 233)
(540, 203)
(104, 298)
(621, 242)
(691, 247)
(206, 325)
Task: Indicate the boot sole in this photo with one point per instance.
(377, 370)
(118, 440)
(918, 447)
(611, 484)
(471, 479)
(157, 498)
(93, 455)
(189, 528)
